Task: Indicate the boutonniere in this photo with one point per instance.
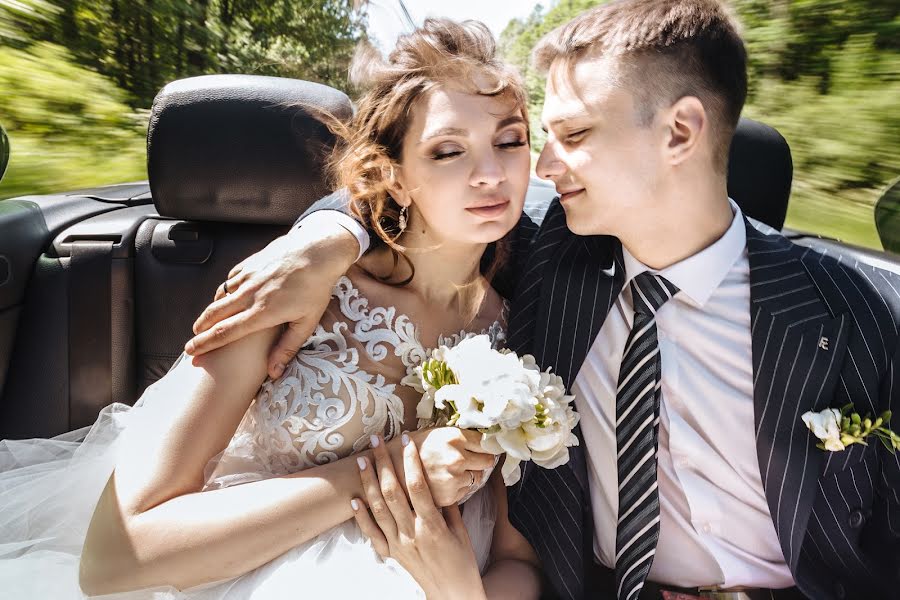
(837, 429)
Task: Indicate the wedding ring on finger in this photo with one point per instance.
(473, 482)
(225, 287)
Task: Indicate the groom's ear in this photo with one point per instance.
(686, 125)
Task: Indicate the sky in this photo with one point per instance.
(386, 20)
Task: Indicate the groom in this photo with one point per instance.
(693, 339)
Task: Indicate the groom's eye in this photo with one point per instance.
(575, 136)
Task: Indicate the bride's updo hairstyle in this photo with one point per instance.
(440, 52)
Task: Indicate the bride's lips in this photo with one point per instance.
(489, 210)
(565, 196)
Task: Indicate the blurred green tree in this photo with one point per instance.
(69, 127)
(143, 44)
(78, 75)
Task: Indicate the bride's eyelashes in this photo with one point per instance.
(443, 154)
(512, 139)
(440, 154)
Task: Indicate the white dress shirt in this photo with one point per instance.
(715, 526)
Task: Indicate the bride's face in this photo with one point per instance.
(464, 167)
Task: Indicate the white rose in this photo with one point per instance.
(474, 358)
(467, 404)
(511, 441)
(413, 379)
(550, 444)
(493, 387)
(510, 471)
(825, 425)
(425, 407)
(514, 443)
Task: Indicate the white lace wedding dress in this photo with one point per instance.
(341, 388)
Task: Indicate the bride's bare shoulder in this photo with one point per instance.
(368, 285)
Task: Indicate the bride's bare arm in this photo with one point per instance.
(153, 525)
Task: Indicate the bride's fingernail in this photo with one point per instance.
(361, 462)
(404, 439)
(279, 369)
(375, 441)
(354, 504)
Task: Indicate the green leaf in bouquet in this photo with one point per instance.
(437, 374)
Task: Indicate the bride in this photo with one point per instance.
(223, 483)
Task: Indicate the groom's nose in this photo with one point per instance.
(548, 165)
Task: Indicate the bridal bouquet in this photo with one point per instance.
(519, 409)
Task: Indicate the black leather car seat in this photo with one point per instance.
(233, 161)
(760, 171)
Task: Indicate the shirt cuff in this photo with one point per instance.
(327, 215)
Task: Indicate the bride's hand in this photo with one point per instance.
(287, 282)
(433, 547)
(452, 460)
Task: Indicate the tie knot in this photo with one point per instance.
(649, 292)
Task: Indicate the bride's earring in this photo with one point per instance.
(402, 220)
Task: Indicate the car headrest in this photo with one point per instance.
(241, 148)
(759, 172)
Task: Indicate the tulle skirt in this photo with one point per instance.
(48, 490)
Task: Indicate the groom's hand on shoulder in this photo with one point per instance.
(287, 282)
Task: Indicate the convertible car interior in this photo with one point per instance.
(99, 288)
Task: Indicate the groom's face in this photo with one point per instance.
(604, 162)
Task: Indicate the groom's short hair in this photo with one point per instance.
(668, 50)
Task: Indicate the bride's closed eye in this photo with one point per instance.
(514, 144)
(512, 139)
(507, 141)
(444, 152)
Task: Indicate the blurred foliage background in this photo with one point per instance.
(78, 78)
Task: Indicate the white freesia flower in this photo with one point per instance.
(826, 426)
(520, 410)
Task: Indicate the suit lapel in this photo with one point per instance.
(798, 346)
(562, 301)
(576, 296)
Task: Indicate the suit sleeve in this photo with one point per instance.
(886, 509)
(334, 201)
(334, 208)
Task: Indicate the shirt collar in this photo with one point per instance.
(699, 275)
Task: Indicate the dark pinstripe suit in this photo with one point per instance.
(837, 515)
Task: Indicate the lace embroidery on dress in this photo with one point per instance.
(325, 405)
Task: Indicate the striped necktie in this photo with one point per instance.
(637, 427)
